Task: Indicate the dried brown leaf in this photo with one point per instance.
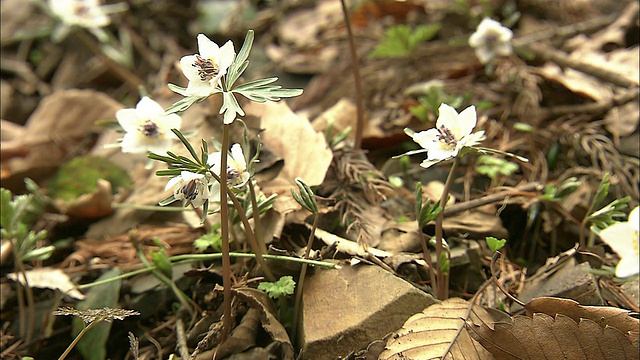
(601, 315)
(545, 337)
(439, 331)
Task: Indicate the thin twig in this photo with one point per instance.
(360, 124)
(495, 280)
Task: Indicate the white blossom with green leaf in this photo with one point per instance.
(622, 237)
(203, 83)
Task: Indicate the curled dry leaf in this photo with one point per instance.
(546, 337)
(439, 333)
(267, 314)
(49, 278)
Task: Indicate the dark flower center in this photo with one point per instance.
(446, 136)
(206, 68)
(150, 129)
(233, 175)
(190, 190)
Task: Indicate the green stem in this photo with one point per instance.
(427, 258)
(257, 225)
(303, 274)
(224, 231)
(77, 339)
(30, 324)
(358, 81)
(182, 297)
(192, 258)
(442, 284)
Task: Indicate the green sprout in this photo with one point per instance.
(401, 41)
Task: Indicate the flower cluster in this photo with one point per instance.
(453, 133)
(490, 40)
(147, 127)
(623, 239)
(196, 189)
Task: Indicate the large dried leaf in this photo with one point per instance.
(602, 315)
(48, 278)
(291, 137)
(439, 331)
(545, 337)
(60, 126)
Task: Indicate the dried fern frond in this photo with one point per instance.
(358, 188)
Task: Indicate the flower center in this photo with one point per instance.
(206, 68)
(233, 175)
(446, 136)
(150, 129)
(190, 190)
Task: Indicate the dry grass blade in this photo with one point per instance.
(545, 337)
(439, 333)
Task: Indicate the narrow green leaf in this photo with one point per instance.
(186, 143)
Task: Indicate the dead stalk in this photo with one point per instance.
(356, 76)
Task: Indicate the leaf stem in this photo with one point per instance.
(77, 339)
(442, 286)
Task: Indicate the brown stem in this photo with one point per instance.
(495, 280)
(251, 236)
(224, 231)
(523, 190)
(358, 81)
(303, 273)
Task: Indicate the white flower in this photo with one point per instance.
(147, 127)
(490, 40)
(190, 187)
(451, 134)
(204, 70)
(84, 13)
(623, 239)
(237, 174)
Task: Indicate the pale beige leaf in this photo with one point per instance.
(291, 137)
(49, 278)
(439, 331)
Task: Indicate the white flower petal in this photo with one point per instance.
(171, 121)
(442, 153)
(200, 88)
(173, 182)
(634, 218)
(128, 119)
(628, 265)
(464, 123)
(188, 68)
(208, 49)
(446, 115)
(237, 156)
(147, 108)
(620, 237)
(227, 54)
(132, 143)
(426, 139)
